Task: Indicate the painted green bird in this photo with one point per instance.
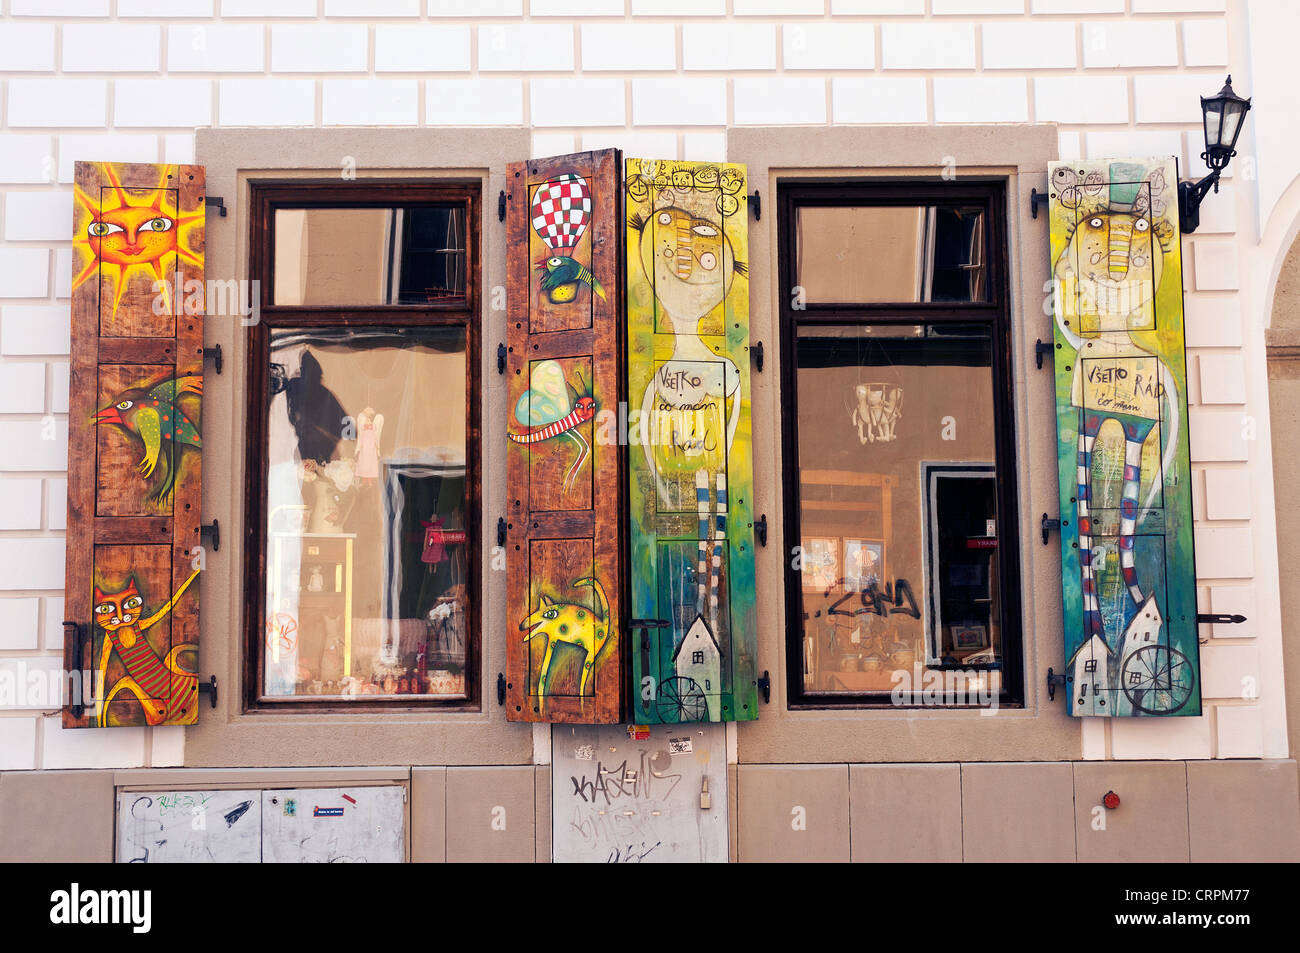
(152, 414)
(561, 270)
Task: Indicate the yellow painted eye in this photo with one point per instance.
(100, 229)
(159, 224)
(133, 603)
(1095, 223)
(708, 231)
(1141, 225)
(125, 405)
(104, 609)
(708, 261)
(553, 262)
(665, 218)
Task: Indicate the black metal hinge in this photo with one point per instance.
(1049, 525)
(501, 358)
(756, 204)
(1053, 680)
(214, 353)
(217, 202)
(1219, 618)
(756, 352)
(645, 625)
(501, 207)
(501, 530)
(765, 686)
(501, 688)
(1041, 347)
(1036, 198)
(209, 688)
(77, 708)
(760, 530)
(211, 531)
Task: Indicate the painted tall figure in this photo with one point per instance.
(1118, 328)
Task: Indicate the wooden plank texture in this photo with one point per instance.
(564, 469)
(134, 444)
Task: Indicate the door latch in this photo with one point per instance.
(706, 799)
(209, 688)
(1053, 680)
(1048, 525)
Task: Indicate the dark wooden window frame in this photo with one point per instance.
(453, 312)
(995, 313)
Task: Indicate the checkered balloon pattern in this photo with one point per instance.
(561, 208)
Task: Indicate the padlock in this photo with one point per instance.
(706, 801)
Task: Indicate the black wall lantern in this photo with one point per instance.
(1224, 114)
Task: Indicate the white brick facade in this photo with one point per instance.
(129, 80)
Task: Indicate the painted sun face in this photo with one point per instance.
(132, 236)
(129, 231)
(690, 259)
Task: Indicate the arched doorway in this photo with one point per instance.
(1283, 344)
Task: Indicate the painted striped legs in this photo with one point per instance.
(710, 569)
(1134, 436)
(1091, 605)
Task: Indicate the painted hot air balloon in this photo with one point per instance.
(561, 209)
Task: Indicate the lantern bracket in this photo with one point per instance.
(1190, 196)
(756, 205)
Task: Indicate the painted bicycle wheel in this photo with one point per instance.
(1157, 680)
(681, 699)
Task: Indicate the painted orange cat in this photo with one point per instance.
(155, 682)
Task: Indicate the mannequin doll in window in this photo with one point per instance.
(369, 427)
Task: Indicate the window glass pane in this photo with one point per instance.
(893, 254)
(326, 257)
(897, 506)
(367, 555)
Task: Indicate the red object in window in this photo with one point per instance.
(1111, 800)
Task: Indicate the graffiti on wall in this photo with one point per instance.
(691, 466)
(1121, 395)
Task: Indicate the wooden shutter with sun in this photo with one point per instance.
(134, 449)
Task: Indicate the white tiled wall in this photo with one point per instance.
(130, 79)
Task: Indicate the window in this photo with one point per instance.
(363, 450)
(900, 488)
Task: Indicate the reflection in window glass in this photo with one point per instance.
(367, 562)
(897, 505)
(892, 254)
(331, 257)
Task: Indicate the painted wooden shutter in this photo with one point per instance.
(691, 464)
(134, 450)
(564, 480)
(1129, 576)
